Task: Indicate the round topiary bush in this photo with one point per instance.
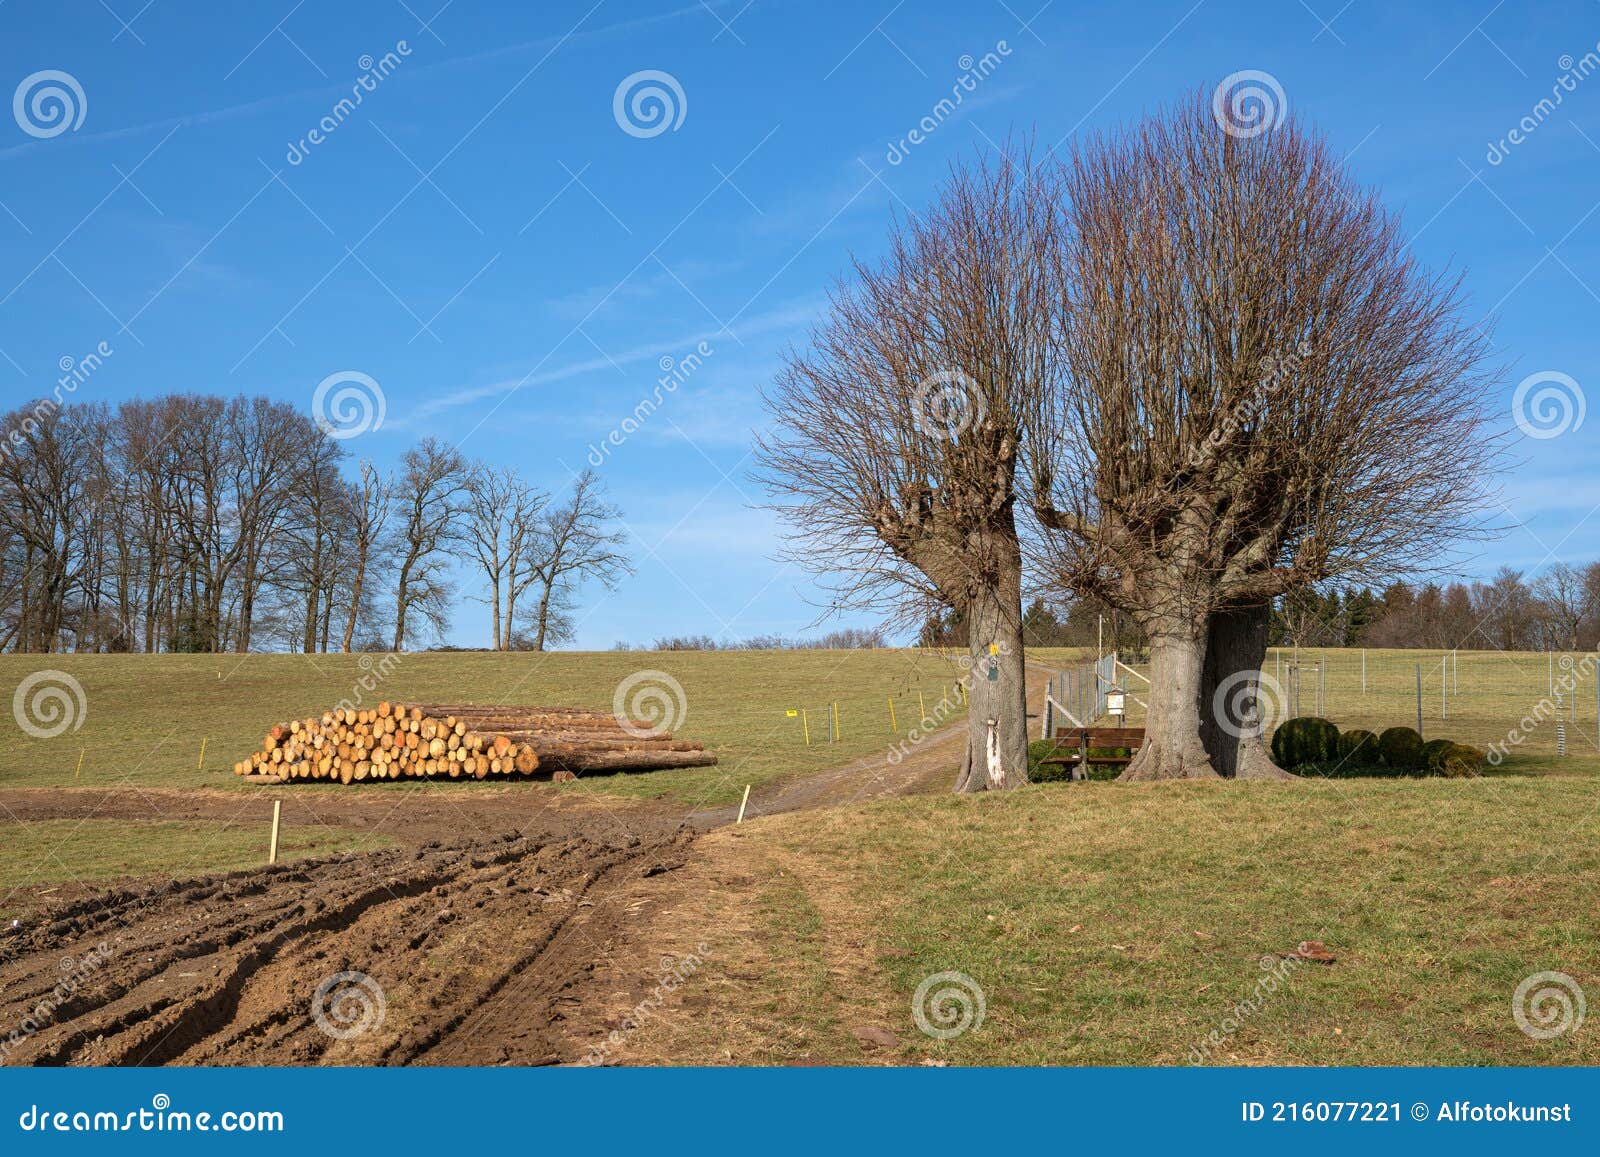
(1401, 748)
(1304, 740)
(1358, 747)
(1433, 753)
(1460, 761)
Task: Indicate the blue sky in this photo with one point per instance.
(484, 239)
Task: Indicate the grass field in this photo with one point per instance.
(1476, 697)
(1103, 923)
(87, 852)
(1123, 924)
(145, 717)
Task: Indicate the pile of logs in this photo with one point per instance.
(461, 741)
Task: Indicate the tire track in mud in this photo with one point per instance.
(227, 969)
(469, 953)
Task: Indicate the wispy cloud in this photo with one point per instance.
(787, 318)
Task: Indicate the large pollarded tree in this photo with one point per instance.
(896, 433)
(1262, 389)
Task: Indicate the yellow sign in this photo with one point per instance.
(792, 714)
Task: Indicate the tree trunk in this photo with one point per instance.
(997, 697)
(495, 618)
(356, 585)
(543, 621)
(1233, 712)
(1172, 745)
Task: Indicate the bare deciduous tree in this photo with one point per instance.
(573, 543)
(897, 432)
(430, 499)
(368, 514)
(501, 521)
(1263, 390)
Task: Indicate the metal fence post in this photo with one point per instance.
(1419, 698)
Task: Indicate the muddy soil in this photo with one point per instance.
(505, 932)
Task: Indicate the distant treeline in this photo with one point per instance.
(845, 639)
(1557, 609)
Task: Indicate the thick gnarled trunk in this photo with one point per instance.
(1233, 710)
(1172, 747)
(997, 697)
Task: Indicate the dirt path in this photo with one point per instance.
(508, 934)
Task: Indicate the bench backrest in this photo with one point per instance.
(1130, 737)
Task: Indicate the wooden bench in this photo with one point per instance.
(1084, 738)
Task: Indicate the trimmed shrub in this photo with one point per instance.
(1461, 760)
(1306, 739)
(1358, 746)
(1401, 748)
(1433, 753)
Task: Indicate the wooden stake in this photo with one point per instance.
(921, 706)
(805, 725)
(742, 803)
(838, 736)
(82, 751)
(277, 813)
(201, 766)
(894, 728)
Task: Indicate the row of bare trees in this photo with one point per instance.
(201, 523)
(1180, 371)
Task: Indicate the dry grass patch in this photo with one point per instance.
(1109, 924)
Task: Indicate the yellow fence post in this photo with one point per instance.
(838, 736)
(894, 728)
(921, 706)
(805, 726)
(201, 766)
(82, 751)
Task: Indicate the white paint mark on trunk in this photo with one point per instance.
(997, 774)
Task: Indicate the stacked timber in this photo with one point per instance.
(462, 741)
